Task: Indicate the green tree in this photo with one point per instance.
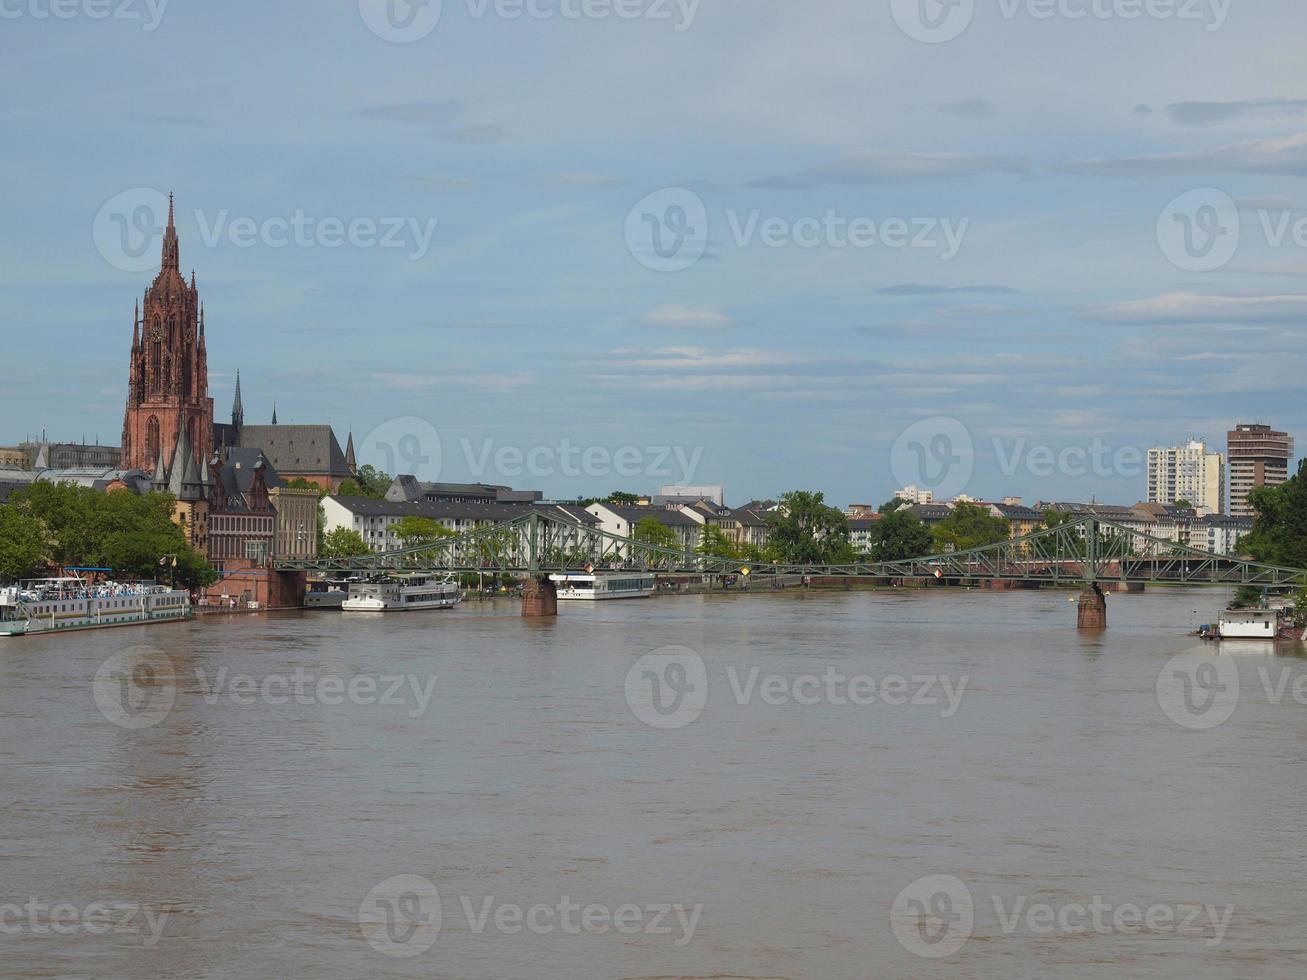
(890, 506)
(715, 544)
(968, 526)
(623, 499)
(1279, 535)
(342, 542)
(899, 535)
(414, 531)
(367, 482)
(650, 530)
(24, 546)
(807, 531)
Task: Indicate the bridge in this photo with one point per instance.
(1087, 551)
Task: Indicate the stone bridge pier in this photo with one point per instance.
(1093, 609)
(539, 598)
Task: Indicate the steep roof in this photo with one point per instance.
(237, 472)
(455, 510)
(298, 450)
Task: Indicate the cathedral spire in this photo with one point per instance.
(136, 327)
(238, 410)
(171, 250)
(274, 413)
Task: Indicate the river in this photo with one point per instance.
(867, 784)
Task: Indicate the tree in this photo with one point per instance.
(623, 499)
(807, 531)
(1279, 535)
(342, 542)
(898, 536)
(24, 546)
(969, 526)
(1184, 504)
(890, 506)
(414, 531)
(650, 530)
(367, 482)
(715, 544)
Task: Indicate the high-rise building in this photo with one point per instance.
(1189, 473)
(1259, 457)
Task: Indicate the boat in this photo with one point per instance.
(324, 594)
(58, 605)
(1249, 624)
(402, 593)
(592, 586)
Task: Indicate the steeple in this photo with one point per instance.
(171, 249)
(349, 454)
(274, 413)
(238, 410)
(136, 327)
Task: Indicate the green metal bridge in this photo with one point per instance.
(1086, 550)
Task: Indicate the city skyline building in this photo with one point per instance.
(1259, 457)
(1189, 473)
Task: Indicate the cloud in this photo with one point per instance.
(968, 109)
(586, 180)
(1280, 156)
(672, 316)
(872, 167)
(1217, 113)
(1142, 110)
(915, 289)
(1173, 308)
(417, 113)
(475, 134)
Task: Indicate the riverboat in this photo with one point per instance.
(58, 605)
(402, 593)
(594, 586)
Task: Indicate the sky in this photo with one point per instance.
(994, 247)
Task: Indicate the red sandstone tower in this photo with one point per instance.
(168, 389)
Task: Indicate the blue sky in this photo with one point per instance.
(1033, 269)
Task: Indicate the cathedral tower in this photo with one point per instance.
(168, 387)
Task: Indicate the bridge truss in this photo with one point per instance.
(1083, 550)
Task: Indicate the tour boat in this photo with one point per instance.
(326, 595)
(402, 593)
(57, 605)
(1249, 624)
(602, 585)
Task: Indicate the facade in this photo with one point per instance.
(862, 535)
(376, 520)
(68, 456)
(688, 495)
(1225, 533)
(14, 458)
(242, 521)
(296, 527)
(1021, 520)
(915, 495)
(1259, 457)
(1190, 473)
(622, 521)
(168, 379)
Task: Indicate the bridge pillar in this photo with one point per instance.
(539, 598)
(1093, 609)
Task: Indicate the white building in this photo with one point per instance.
(1188, 472)
(915, 495)
(688, 495)
(622, 521)
(376, 520)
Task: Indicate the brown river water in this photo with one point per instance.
(943, 784)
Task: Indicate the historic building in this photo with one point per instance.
(168, 383)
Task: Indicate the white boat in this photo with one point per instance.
(58, 605)
(402, 593)
(604, 585)
(1249, 624)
